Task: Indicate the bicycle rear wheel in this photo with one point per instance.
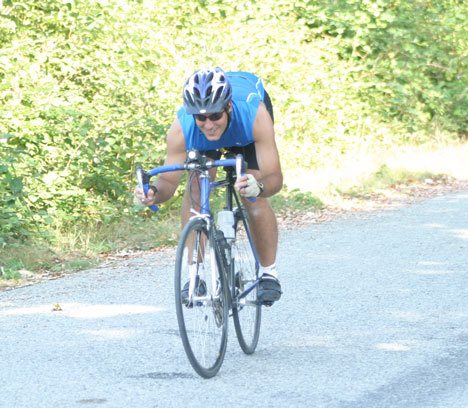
(246, 311)
(202, 312)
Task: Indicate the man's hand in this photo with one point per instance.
(147, 200)
(248, 186)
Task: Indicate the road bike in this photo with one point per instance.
(216, 267)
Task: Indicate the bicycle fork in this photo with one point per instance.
(202, 253)
(194, 263)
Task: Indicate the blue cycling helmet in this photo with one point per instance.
(207, 91)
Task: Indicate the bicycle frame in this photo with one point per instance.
(198, 162)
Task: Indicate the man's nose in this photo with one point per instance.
(209, 124)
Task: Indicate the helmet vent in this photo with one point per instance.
(217, 95)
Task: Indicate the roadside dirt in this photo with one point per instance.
(395, 196)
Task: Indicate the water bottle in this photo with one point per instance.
(226, 223)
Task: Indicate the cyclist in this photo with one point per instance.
(230, 112)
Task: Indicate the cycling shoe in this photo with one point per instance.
(269, 289)
(199, 290)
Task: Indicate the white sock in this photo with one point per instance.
(270, 270)
(192, 270)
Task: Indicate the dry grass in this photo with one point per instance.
(356, 168)
(363, 181)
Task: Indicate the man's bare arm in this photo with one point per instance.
(269, 173)
(166, 184)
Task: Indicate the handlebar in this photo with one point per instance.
(194, 162)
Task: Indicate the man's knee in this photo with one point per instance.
(260, 208)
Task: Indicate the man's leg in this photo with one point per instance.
(264, 229)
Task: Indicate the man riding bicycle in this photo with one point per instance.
(229, 112)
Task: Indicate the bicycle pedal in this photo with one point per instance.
(266, 303)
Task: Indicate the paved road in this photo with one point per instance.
(375, 314)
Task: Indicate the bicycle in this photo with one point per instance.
(216, 267)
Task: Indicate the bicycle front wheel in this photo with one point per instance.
(201, 303)
(246, 311)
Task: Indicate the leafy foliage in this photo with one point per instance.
(409, 57)
(88, 88)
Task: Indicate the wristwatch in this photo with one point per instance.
(261, 186)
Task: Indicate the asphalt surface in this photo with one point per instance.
(374, 314)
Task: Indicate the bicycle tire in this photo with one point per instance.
(246, 312)
(203, 319)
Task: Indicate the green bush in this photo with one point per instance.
(409, 57)
(89, 88)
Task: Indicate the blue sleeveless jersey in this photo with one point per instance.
(247, 93)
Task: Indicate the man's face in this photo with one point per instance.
(212, 125)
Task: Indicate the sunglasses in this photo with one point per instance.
(213, 117)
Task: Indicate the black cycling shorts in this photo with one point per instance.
(248, 151)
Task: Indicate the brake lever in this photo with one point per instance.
(240, 171)
(143, 182)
